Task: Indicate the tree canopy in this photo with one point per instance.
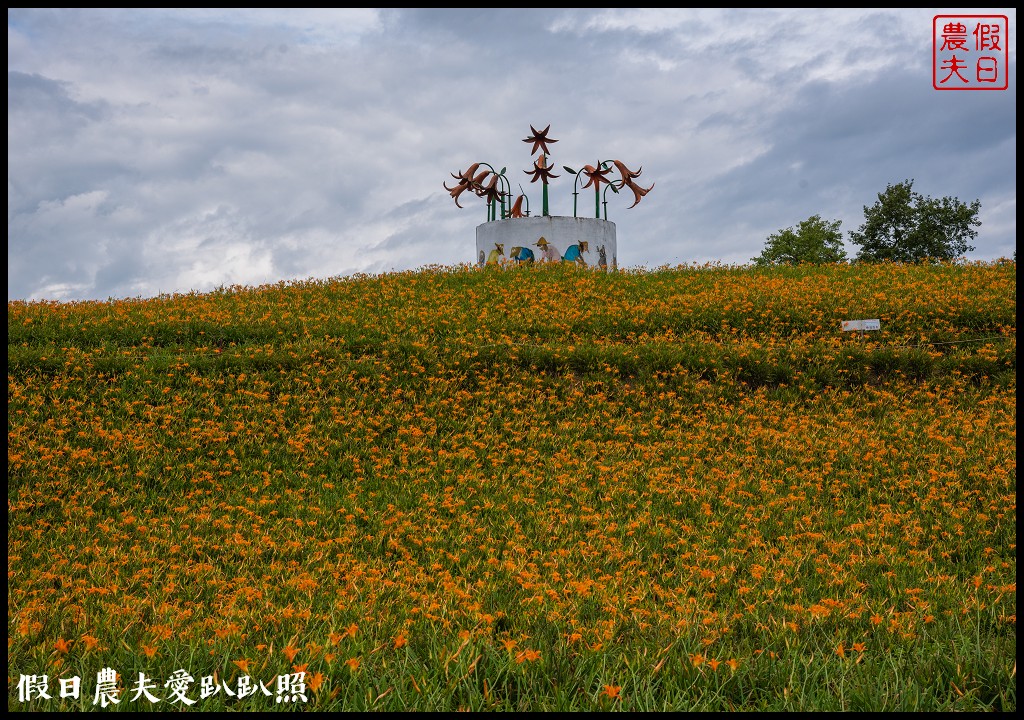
(812, 241)
(905, 226)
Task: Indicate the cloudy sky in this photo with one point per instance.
(171, 150)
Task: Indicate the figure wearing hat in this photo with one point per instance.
(574, 253)
(548, 251)
(522, 254)
(496, 254)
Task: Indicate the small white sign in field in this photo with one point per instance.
(861, 325)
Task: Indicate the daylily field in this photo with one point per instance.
(519, 488)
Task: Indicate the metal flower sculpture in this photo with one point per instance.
(516, 210)
(540, 140)
(494, 186)
(493, 192)
(627, 177)
(467, 181)
(540, 170)
(596, 176)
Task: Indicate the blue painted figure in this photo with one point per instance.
(522, 254)
(574, 253)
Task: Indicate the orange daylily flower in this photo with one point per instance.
(528, 656)
(315, 681)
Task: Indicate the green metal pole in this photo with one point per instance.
(575, 190)
(544, 208)
(509, 186)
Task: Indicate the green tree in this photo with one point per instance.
(905, 226)
(812, 241)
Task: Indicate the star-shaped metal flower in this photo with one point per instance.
(596, 176)
(540, 171)
(540, 140)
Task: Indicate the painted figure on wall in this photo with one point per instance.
(496, 254)
(522, 254)
(574, 253)
(548, 252)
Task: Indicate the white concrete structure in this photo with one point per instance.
(555, 238)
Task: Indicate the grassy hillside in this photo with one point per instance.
(530, 488)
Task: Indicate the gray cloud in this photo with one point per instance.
(177, 150)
